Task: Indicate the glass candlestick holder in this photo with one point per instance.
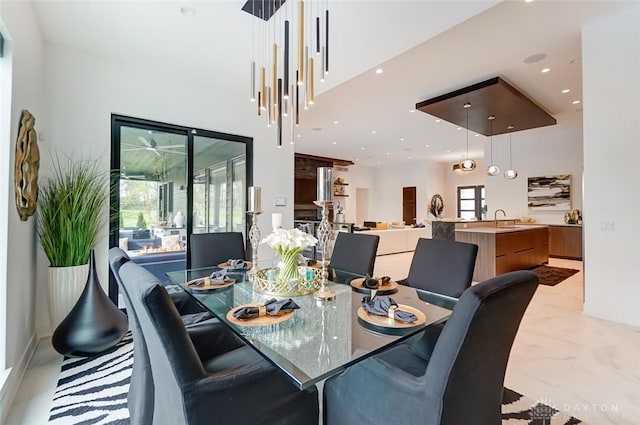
(325, 235)
(254, 238)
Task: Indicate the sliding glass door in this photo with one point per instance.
(171, 181)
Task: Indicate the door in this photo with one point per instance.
(219, 185)
(171, 181)
(409, 205)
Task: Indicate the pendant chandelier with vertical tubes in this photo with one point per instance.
(290, 49)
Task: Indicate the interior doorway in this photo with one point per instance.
(409, 205)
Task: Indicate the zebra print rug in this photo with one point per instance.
(93, 391)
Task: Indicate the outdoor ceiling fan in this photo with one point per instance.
(152, 146)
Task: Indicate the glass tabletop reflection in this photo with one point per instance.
(323, 337)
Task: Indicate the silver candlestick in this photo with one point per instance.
(254, 238)
(325, 234)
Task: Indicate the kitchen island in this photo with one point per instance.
(506, 248)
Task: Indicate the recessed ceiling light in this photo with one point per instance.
(447, 151)
(476, 135)
(535, 58)
(373, 132)
(412, 110)
(388, 153)
(545, 70)
(187, 11)
(565, 91)
(402, 139)
(409, 157)
(575, 102)
(438, 120)
(335, 122)
(528, 1)
(459, 128)
(362, 148)
(379, 71)
(335, 143)
(297, 135)
(427, 146)
(357, 159)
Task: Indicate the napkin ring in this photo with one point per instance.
(262, 310)
(391, 313)
(207, 281)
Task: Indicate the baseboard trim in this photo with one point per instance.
(14, 378)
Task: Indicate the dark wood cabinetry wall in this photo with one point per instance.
(305, 187)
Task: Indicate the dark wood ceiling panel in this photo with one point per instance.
(491, 97)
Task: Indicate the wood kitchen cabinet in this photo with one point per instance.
(505, 249)
(565, 241)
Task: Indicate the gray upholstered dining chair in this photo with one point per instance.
(458, 381)
(355, 253)
(442, 266)
(225, 387)
(211, 249)
(189, 309)
(206, 335)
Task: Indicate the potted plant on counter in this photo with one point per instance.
(70, 216)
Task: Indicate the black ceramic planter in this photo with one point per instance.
(94, 324)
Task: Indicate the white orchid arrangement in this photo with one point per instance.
(284, 241)
(289, 244)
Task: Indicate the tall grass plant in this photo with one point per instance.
(70, 212)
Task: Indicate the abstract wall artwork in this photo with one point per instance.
(550, 193)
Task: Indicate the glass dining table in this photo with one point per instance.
(323, 337)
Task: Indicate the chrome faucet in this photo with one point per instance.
(495, 215)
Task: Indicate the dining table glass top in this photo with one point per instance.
(322, 338)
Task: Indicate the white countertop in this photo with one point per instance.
(503, 229)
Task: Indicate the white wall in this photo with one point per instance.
(24, 46)
(611, 92)
(82, 91)
(453, 181)
(538, 152)
(387, 194)
(358, 177)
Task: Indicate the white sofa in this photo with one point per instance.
(393, 241)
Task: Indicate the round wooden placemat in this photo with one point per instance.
(390, 288)
(205, 288)
(258, 321)
(387, 322)
(225, 265)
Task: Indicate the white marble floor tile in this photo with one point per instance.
(32, 402)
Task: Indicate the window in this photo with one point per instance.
(470, 202)
(6, 176)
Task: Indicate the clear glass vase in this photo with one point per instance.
(288, 265)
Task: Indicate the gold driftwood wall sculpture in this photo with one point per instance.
(27, 164)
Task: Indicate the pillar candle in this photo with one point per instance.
(276, 220)
(325, 184)
(253, 205)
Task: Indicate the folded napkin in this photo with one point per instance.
(236, 263)
(219, 276)
(272, 308)
(386, 306)
(216, 278)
